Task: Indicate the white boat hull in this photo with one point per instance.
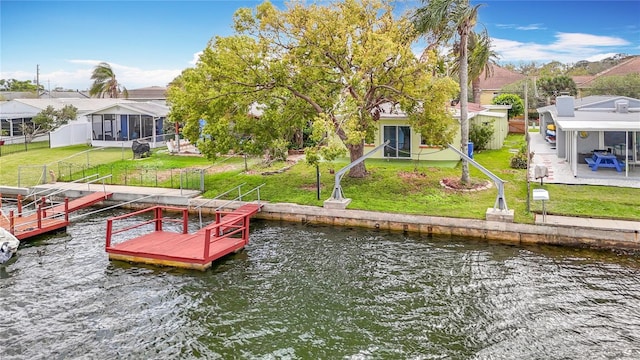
(6, 236)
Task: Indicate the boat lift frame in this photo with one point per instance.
(337, 194)
(501, 202)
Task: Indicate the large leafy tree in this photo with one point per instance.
(517, 105)
(337, 67)
(48, 120)
(105, 83)
(18, 85)
(621, 85)
(444, 20)
(551, 87)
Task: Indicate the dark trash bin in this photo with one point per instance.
(141, 149)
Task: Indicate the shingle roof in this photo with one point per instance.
(148, 93)
(65, 94)
(147, 108)
(629, 66)
(581, 79)
(12, 95)
(500, 78)
(81, 104)
(472, 107)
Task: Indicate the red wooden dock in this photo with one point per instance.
(227, 234)
(46, 219)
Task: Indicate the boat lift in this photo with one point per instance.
(337, 199)
(501, 203)
(500, 206)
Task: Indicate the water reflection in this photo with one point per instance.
(321, 292)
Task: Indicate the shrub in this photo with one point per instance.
(480, 135)
(519, 160)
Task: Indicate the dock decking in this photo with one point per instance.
(45, 219)
(227, 234)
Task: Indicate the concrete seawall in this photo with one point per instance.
(563, 235)
(574, 232)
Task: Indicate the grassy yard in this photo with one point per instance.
(399, 186)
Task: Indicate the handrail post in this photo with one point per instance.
(39, 213)
(109, 232)
(66, 209)
(158, 218)
(207, 243)
(185, 221)
(19, 205)
(12, 222)
(44, 210)
(245, 230)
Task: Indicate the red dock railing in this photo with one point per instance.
(228, 233)
(45, 218)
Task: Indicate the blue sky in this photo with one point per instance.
(151, 42)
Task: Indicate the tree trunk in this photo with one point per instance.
(464, 121)
(356, 152)
(476, 90)
(298, 139)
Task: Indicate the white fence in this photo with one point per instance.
(71, 134)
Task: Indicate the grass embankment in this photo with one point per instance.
(399, 186)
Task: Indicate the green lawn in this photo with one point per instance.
(392, 186)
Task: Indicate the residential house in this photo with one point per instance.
(578, 127)
(98, 121)
(120, 123)
(489, 87)
(405, 143)
(631, 65)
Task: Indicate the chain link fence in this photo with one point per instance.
(7, 148)
(151, 176)
(87, 164)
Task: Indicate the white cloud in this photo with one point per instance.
(78, 75)
(599, 57)
(521, 27)
(574, 40)
(530, 27)
(567, 48)
(196, 57)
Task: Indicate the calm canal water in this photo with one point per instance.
(315, 292)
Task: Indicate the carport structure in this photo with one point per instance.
(606, 123)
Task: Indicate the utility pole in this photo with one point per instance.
(38, 80)
(526, 137)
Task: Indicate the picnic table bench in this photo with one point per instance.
(604, 160)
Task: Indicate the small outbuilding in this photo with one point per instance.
(577, 128)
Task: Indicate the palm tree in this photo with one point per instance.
(480, 59)
(443, 19)
(105, 83)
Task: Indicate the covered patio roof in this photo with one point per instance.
(598, 125)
